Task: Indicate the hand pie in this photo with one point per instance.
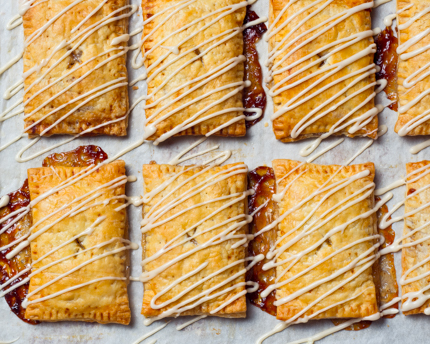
(82, 226)
(194, 227)
(193, 55)
(71, 86)
(321, 69)
(414, 256)
(325, 248)
(413, 76)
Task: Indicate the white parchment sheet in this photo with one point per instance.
(390, 154)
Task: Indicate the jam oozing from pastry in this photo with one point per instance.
(10, 268)
(79, 157)
(386, 58)
(384, 270)
(262, 180)
(254, 95)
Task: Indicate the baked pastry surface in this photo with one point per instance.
(357, 298)
(110, 106)
(303, 104)
(411, 65)
(174, 79)
(416, 253)
(102, 301)
(175, 222)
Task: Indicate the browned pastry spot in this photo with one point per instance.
(254, 95)
(262, 180)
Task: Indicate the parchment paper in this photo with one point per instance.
(390, 153)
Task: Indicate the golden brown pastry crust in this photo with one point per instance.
(408, 67)
(107, 107)
(214, 58)
(103, 301)
(413, 255)
(217, 256)
(312, 179)
(358, 22)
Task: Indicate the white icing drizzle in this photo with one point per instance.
(382, 130)
(14, 22)
(394, 185)
(9, 342)
(141, 339)
(388, 20)
(4, 201)
(131, 179)
(188, 323)
(337, 328)
(120, 39)
(359, 264)
(419, 147)
(286, 49)
(77, 27)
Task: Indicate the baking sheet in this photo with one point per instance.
(390, 153)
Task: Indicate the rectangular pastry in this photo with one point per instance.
(195, 225)
(413, 76)
(414, 255)
(325, 248)
(75, 76)
(193, 55)
(84, 276)
(322, 75)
